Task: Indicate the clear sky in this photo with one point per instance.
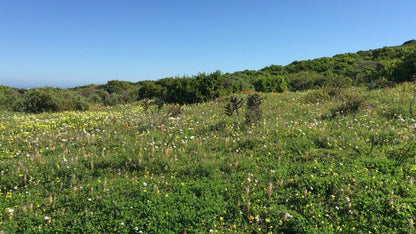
(66, 43)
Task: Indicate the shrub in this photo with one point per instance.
(323, 94)
(9, 97)
(39, 100)
(209, 86)
(234, 85)
(116, 86)
(315, 96)
(270, 83)
(306, 80)
(406, 69)
(113, 99)
(150, 89)
(350, 105)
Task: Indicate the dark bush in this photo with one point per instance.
(9, 98)
(406, 69)
(40, 100)
(50, 100)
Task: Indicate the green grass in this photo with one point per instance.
(313, 163)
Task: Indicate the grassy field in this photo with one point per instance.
(327, 160)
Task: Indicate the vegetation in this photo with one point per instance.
(373, 69)
(341, 164)
(336, 153)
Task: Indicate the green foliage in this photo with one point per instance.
(9, 98)
(39, 100)
(180, 90)
(331, 89)
(68, 101)
(234, 84)
(375, 69)
(270, 83)
(116, 86)
(406, 68)
(274, 70)
(184, 90)
(49, 100)
(172, 168)
(150, 89)
(318, 65)
(305, 80)
(209, 86)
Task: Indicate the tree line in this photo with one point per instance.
(377, 68)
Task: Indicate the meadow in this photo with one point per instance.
(320, 161)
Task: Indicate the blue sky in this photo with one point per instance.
(66, 43)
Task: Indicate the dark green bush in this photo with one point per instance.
(406, 69)
(9, 98)
(150, 89)
(50, 100)
(40, 100)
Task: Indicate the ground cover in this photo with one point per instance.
(326, 160)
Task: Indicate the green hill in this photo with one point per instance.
(319, 146)
(378, 68)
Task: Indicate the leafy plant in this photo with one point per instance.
(253, 113)
(234, 106)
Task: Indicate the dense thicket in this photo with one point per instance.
(372, 68)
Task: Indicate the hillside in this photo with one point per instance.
(319, 161)
(373, 69)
